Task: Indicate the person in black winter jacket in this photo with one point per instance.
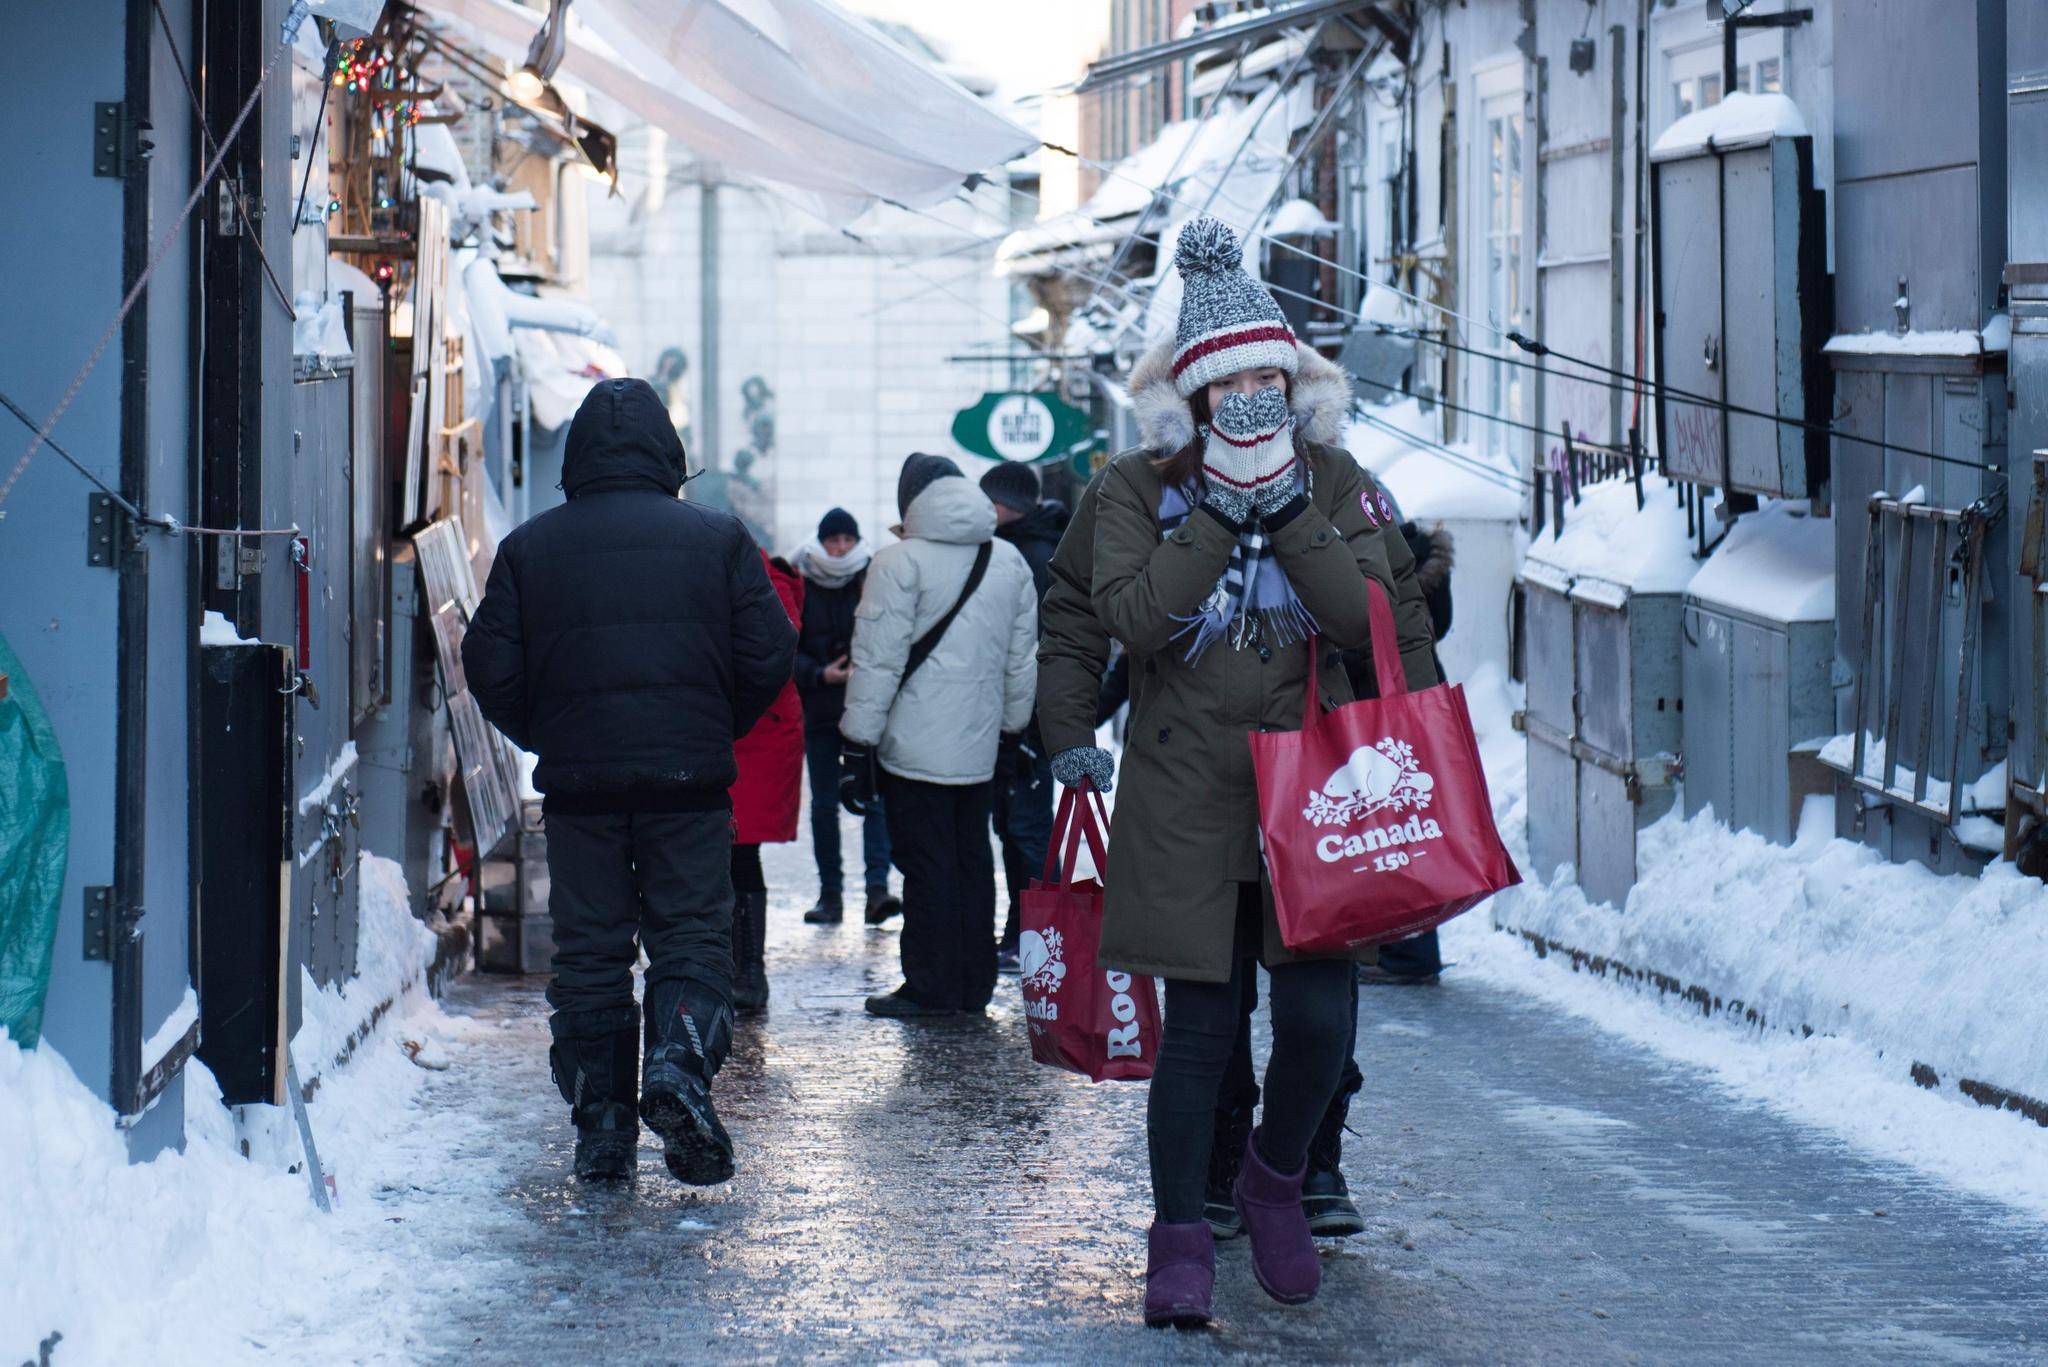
(628, 638)
(835, 569)
(1024, 787)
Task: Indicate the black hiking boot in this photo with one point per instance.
(829, 911)
(1325, 1199)
(749, 945)
(595, 1060)
(607, 1149)
(881, 906)
(1226, 1156)
(688, 1032)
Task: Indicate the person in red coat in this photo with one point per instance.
(765, 799)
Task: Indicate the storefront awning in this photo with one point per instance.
(1127, 64)
(793, 92)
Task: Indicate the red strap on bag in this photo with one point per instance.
(1081, 816)
(1386, 653)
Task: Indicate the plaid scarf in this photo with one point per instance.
(1253, 598)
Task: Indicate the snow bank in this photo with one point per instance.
(393, 954)
(1606, 537)
(206, 1256)
(1826, 934)
(1891, 964)
(1740, 120)
(1777, 563)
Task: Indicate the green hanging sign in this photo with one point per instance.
(1011, 425)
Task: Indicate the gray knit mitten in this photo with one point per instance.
(1091, 762)
(1248, 459)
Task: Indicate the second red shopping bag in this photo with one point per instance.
(1102, 1023)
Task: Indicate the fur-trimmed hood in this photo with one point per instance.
(1321, 400)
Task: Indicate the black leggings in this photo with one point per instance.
(746, 869)
(1312, 1007)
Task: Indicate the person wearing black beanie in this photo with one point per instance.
(1024, 789)
(835, 569)
(838, 522)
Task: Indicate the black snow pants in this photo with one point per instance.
(1314, 1015)
(661, 881)
(939, 837)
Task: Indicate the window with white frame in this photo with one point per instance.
(1689, 61)
(1498, 246)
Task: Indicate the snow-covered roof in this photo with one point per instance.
(1298, 217)
(1608, 539)
(1777, 564)
(1740, 120)
(1431, 484)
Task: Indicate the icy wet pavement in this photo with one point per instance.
(1534, 1192)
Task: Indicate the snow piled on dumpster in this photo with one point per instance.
(207, 1256)
(1890, 965)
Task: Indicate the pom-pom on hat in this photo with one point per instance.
(1228, 322)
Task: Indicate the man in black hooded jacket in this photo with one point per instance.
(627, 638)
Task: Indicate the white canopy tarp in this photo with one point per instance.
(794, 92)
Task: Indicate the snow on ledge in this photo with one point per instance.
(1995, 337)
(1741, 120)
(1777, 564)
(216, 630)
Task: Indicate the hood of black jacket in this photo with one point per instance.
(1044, 523)
(621, 438)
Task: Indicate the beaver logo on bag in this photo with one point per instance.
(1042, 960)
(1377, 778)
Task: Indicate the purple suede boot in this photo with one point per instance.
(1283, 1251)
(1180, 1274)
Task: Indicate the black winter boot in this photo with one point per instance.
(1226, 1156)
(829, 911)
(749, 945)
(595, 1060)
(689, 1029)
(1325, 1199)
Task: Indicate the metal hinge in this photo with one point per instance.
(234, 561)
(99, 923)
(117, 142)
(99, 530)
(109, 134)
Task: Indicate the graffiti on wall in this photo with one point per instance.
(746, 489)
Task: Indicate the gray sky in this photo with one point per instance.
(1024, 47)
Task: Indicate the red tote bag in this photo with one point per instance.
(1376, 818)
(1101, 1023)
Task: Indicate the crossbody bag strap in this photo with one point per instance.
(922, 648)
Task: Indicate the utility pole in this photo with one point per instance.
(707, 304)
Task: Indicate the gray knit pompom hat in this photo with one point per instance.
(1228, 322)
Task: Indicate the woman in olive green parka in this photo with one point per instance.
(1215, 555)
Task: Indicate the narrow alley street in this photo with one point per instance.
(1534, 1191)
